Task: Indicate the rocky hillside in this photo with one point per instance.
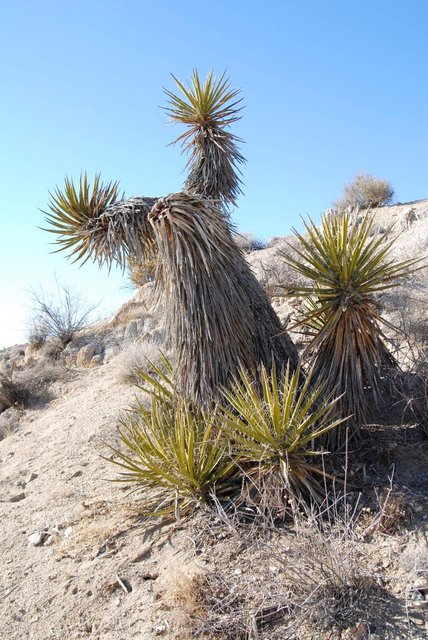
(79, 561)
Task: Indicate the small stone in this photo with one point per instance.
(68, 532)
(417, 618)
(96, 361)
(238, 572)
(160, 629)
(150, 576)
(17, 497)
(417, 508)
(85, 355)
(36, 538)
(124, 584)
(32, 477)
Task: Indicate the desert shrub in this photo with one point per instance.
(141, 270)
(61, 317)
(248, 242)
(315, 583)
(38, 381)
(330, 588)
(136, 358)
(37, 336)
(31, 386)
(409, 386)
(12, 391)
(52, 349)
(277, 278)
(411, 389)
(347, 270)
(364, 192)
(9, 421)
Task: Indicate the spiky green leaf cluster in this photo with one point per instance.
(208, 109)
(261, 430)
(273, 426)
(92, 222)
(178, 450)
(347, 267)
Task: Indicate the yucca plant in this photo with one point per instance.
(273, 425)
(208, 109)
(347, 268)
(94, 222)
(178, 451)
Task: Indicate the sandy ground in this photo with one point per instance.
(52, 476)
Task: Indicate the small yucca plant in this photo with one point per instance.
(208, 109)
(94, 222)
(347, 269)
(273, 425)
(176, 450)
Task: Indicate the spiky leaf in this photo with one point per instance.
(208, 109)
(93, 222)
(273, 425)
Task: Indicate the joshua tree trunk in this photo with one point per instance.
(218, 315)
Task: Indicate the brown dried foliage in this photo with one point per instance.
(218, 315)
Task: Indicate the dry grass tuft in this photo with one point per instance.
(31, 386)
(228, 607)
(392, 515)
(9, 421)
(137, 357)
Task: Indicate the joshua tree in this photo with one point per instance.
(218, 316)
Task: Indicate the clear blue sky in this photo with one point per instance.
(331, 87)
